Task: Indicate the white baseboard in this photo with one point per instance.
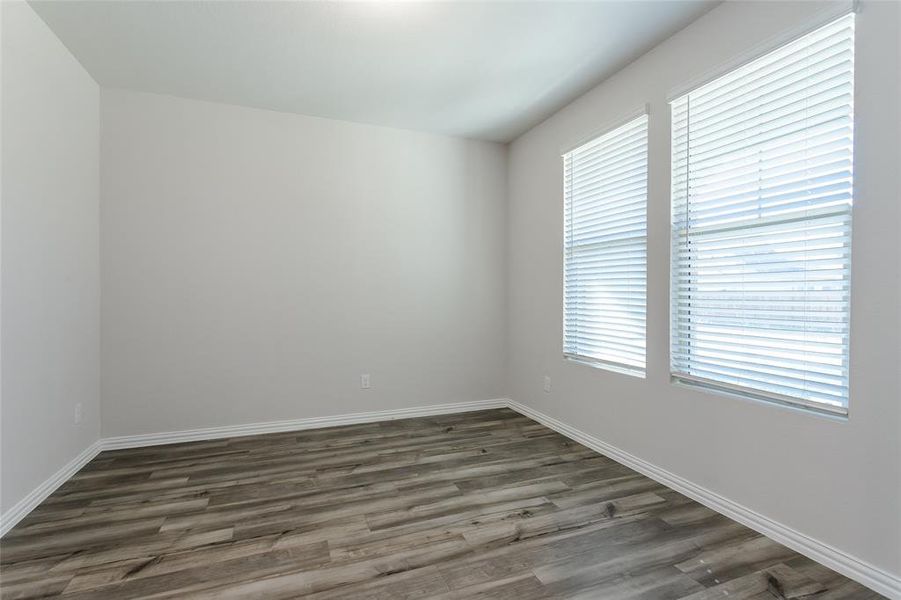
(27, 504)
(864, 573)
(214, 433)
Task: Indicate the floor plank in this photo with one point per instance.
(477, 505)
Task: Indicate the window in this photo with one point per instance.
(761, 225)
(605, 250)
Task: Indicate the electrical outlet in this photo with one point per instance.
(364, 381)
(547, 384)
(78, 413)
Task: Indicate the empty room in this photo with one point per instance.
(416, 300)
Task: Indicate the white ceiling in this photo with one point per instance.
(488, 70)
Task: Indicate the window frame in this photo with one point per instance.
(595, 136)
(725, 388)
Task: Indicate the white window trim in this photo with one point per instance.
(840, 413)
(620, 368)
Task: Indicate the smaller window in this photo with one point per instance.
(605, 249)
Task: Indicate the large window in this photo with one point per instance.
(605, 249)
(762, 192)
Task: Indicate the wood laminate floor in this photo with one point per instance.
(478, 505)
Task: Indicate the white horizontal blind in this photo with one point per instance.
(605, 248)
(762, 194)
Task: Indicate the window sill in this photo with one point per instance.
(834, 413)
(605, 366)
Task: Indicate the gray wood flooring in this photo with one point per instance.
(478, 505)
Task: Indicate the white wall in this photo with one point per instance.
(50, 265)
(255, 263)
(836, 481)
